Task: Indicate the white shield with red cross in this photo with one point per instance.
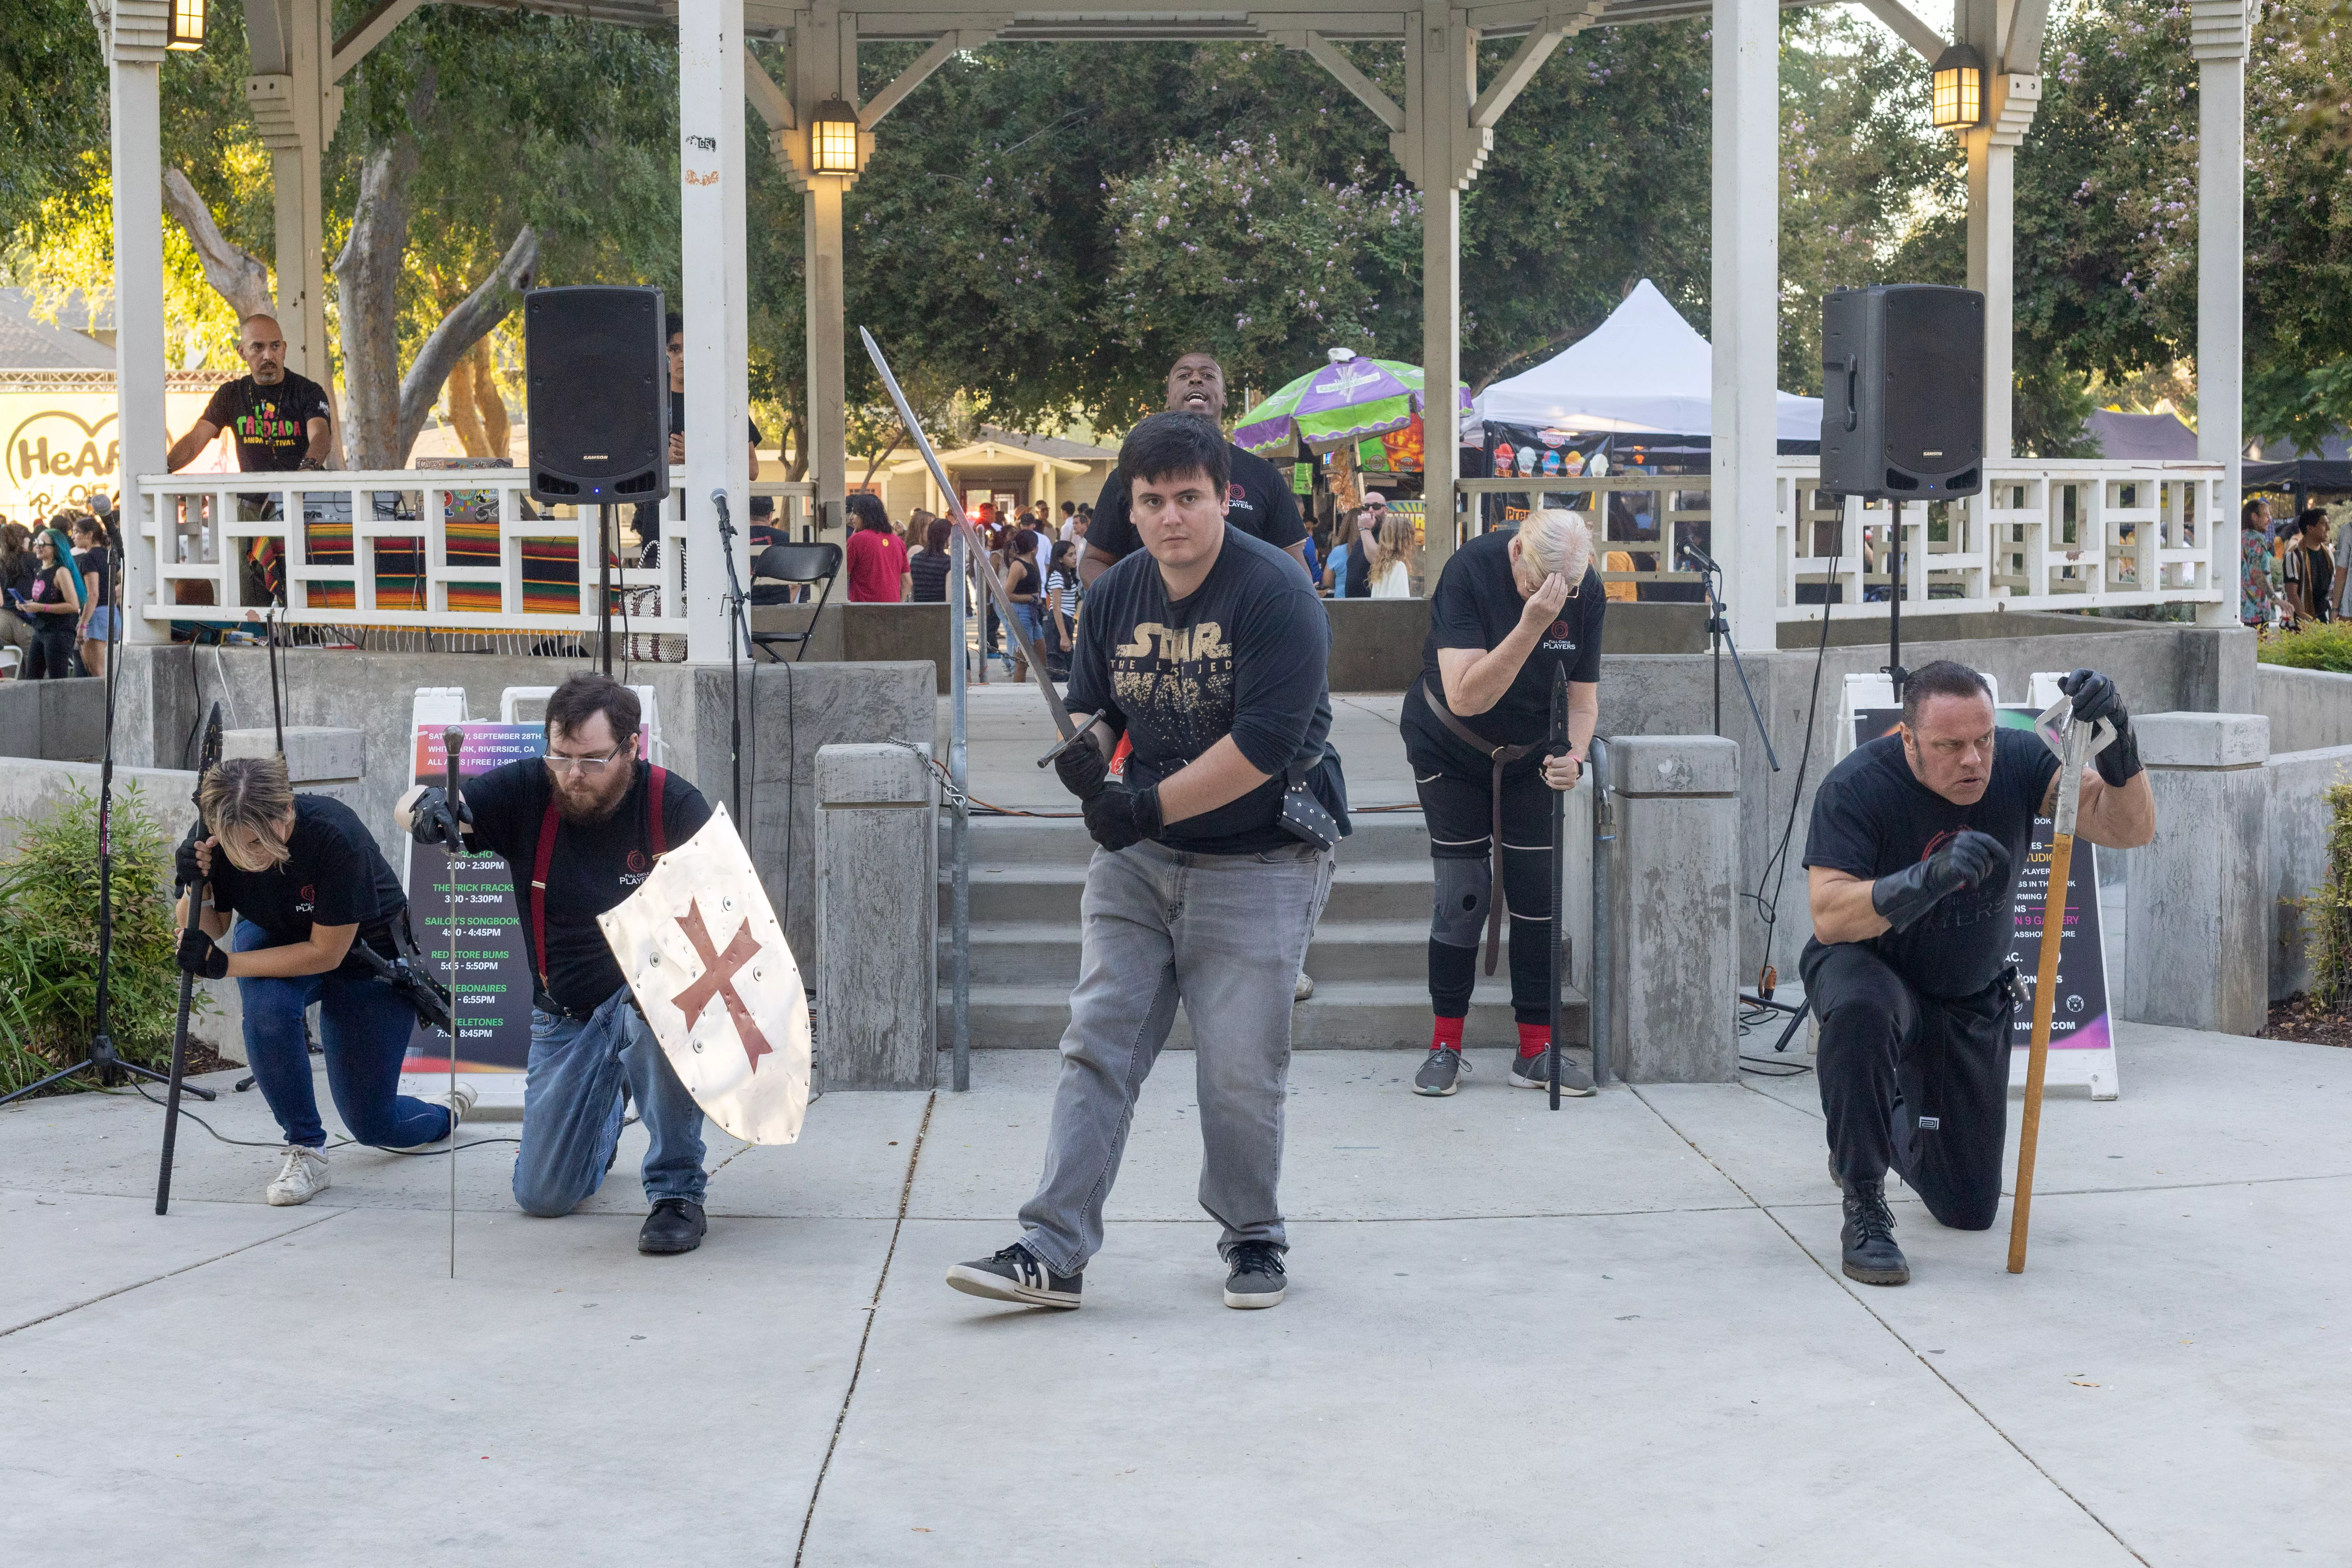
(707, 963)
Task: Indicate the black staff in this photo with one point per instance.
(1557, 747)
(193, 890)
(453, 740)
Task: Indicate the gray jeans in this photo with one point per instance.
(1225, 934)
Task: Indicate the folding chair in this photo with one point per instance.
(799, 564)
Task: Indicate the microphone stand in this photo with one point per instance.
(1895, 670)
(738, 636)
(1718, 632)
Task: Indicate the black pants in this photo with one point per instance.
(1459, 810)
(1919, 1084)
(52, 655)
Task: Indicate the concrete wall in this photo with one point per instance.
(61, 720)
(2308, 708)
(2298, 831)
(788, 713)
(862, 634)
(2158, 666)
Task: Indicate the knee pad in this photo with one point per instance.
(1459, 918)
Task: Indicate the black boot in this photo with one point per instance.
(675, 1225)
(1871, 1255)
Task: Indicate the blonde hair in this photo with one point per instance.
(252, 795)
(1391, 539)
(1556, 540)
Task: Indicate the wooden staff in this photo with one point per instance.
(2074, 756)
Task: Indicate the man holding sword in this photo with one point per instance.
(1913, 857)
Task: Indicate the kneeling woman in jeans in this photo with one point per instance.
(304, 882)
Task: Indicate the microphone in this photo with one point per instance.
(1692, 553)
(726, 524)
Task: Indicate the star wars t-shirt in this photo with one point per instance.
(595, 866)
(333, 875)
(1261, 506)
(1477, 606)
(269, 424)
(1244, 654)
(1872, 817)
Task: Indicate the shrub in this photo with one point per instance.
(2326, 646)
(48, 940)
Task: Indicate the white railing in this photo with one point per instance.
(428, 548)
(2045, 533)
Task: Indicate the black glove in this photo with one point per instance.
(200, 956)
(1117, 816)
(433, 821)
(1082, 767)
(186, 872)
(2095, 698)
(1970, 860)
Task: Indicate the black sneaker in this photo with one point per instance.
(1253, 1276)
(1017, 1275)
(1535, 1073)
(1442, 1073)
(675, 1225)
(1871, 1255)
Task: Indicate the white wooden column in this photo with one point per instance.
(1745, 288)
(135, 57)
(1441, 154)
(295, 107)
(2218, 38)
(715, 301)
(825, 66)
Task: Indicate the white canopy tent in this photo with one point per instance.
(1643, 369)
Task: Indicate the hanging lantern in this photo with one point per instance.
(187, 25)
(832, 139)
(1955, 101)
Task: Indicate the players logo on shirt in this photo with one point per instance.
(1560, 637)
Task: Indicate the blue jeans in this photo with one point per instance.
(572, 1110)
(364, 1028)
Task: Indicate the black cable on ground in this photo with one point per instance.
(337, 1143)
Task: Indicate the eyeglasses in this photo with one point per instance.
(592, 766)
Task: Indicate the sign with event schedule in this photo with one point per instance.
(493, 983)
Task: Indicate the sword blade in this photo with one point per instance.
(973, 543)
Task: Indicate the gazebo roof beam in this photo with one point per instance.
(366, 34)
(1513, 78)
(1909, 27)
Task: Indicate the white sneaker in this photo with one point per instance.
(1306, 987)
(302, 1177)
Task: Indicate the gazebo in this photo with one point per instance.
(822, 135)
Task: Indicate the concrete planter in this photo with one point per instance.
(2308, 708)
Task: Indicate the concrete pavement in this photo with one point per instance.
(1615, 1335)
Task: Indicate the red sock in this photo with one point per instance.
(1446, 1035)
(1535, 1039)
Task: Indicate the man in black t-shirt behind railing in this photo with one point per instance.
(1916, 843)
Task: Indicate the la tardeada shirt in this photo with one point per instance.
(1246, 654)
(269, 424)
(1477, 606)
(595, 866)
(1873, 816)
(333, 875)
(1259, 504)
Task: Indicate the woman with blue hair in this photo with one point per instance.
(53, 604)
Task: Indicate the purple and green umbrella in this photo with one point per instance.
(1350, 399)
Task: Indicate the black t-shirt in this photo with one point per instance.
(94, 580)
(1872, 817)
(269, 424)
(930, 574)
(595, 866)
(1477, 606)
(1244, 656)
(333, 875)
(678, 419)
(1261, 506)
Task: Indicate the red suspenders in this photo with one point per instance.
(546, 858)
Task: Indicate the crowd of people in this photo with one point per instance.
(60, 602)
(2288, 573)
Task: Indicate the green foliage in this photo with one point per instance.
(49, 938)
(2328, 907)
(2326, 645)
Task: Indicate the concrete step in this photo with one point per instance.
(1047, 951)
(1359, 1014)
(1367, 889)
